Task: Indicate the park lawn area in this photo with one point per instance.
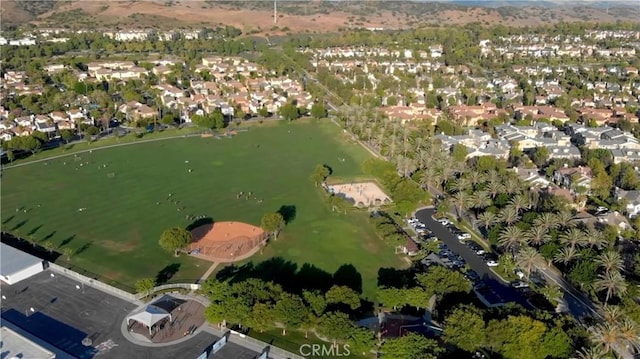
(123, 193)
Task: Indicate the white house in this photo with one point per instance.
(633, 201)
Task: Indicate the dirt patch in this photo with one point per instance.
(124, 246)
(112, 275)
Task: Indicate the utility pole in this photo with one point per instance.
(275, 12)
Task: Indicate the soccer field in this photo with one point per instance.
(111, 205)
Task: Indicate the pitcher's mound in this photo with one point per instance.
(226, 241)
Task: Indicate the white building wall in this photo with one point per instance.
(23, 274)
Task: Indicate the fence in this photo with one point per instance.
(115, 291)
(255, 344)
(94, 283)
(188, 286)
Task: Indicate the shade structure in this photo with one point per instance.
(149, 316)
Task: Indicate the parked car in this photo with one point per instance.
(490, 259)
(519, 284)
(476, 248)
(472, 276)
(464, 236)
(444, 221)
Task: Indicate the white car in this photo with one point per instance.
(444, 221)
(492, 263)
(462, 236)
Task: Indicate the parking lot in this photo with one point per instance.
(456, 251)
(85, 322)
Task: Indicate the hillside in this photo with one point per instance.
(300, 16)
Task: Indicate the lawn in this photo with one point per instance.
(110, 206)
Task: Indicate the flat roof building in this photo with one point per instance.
(16, 265)
(14, 345)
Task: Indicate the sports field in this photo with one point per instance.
(110, 206)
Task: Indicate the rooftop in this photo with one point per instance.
(14, 260)
(14, 345)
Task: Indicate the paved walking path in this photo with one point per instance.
(208, 272)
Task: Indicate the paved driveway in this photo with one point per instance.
(503, 290)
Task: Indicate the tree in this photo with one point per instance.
(11, 156)
(48, 245)
(392, 297)
(272, 223)
(68, 253)
(540, 155)
(168, 119)
(318, 111)
(411, 346)
(174, 239)
(343, 294)
(459, 152)
(528, 258)
(315, 300)
(610, 261)
(262, 317)
(145, 286)
(613, 283)
(465, 328)
(320, 174)
(290, 311)
(440, 281)
(67, 135)
(361, 340)
(511, 238)
(289, 112)
(335, 326)
(217, 119)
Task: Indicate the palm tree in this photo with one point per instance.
(572, 237)
(459, 185)
(512, 186)
(475, 177)
(564, 219)
(610, 261)
(405, 166)
(537, 236)
(519, 202)
(552, 292)
(511, 238)
(565, 255)
(591, 353)
(487, 218)
(606, 335)
(629, 333)
(546, 220)
(528, 259)
(611, 313)
(461, 201)
(480, 200)
(595, 238)
(68, 253)
(509, 215)
(494, 188)
(48, 245)
(613, 283)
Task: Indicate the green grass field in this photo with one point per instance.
(116, 235)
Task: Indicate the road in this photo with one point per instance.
(504, 290)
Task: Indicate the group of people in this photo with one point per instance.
(247, 196)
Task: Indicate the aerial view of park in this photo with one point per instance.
(110, 205)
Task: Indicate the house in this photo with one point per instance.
(572, 177)
(632, 198)
(625, 155)
(410, 248)
(136, 110)
(58, 116)
(531, 176)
